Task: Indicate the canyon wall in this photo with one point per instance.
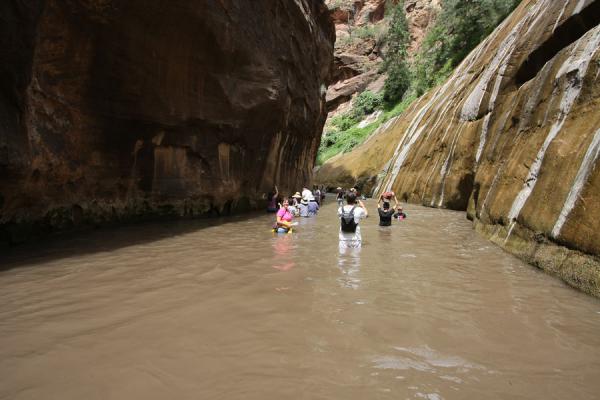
(512, 137)
(113, 109)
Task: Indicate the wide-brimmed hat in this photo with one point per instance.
(304, 201)
(297, 195)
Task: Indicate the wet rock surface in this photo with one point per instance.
(516, 147)
(112, 110)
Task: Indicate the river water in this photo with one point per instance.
(224, 309)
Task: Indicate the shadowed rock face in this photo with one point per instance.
(513, 138)
(111, 109)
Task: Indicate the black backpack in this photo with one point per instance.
(347, 219)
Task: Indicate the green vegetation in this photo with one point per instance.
(395, 64)
(459, 28)
(343, 133)
(342, 141)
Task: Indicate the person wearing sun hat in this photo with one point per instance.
(296, 196)
(303, 207)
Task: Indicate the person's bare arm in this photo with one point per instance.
(362, 205)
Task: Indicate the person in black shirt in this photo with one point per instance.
(385, 214)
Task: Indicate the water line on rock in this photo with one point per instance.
(409, 137)
(571, 93)
(437, 161)
(414, 132)
(562, 12)
(587, 165)
(438, 121)
(448, 162)
(579, 7)
(483, 136)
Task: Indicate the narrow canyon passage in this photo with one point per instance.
(223, 309)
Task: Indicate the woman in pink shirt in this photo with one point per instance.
(284, 218)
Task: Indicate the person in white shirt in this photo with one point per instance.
(307, 195)
(350, 216)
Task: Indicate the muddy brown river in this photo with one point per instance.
(223, 309)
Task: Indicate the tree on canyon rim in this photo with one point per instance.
(395, 65)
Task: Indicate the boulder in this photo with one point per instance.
(342, 91)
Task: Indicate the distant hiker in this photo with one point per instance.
(272, 206)
(303, 208)
(317, 195)
(385, 214)
(322, 194)
(292, 208)
(340, 196)
(400, 215)
(350, 216)
(297, 197)
(313, 208)
(284, 218)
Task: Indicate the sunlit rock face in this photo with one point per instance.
(113, 109)
(513, 137)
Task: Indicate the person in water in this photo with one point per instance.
(340, 196)
(292, 208)
(385, 213)
(297, 197)
(317, 194)
(400, 215)
(272, 206)
(350, 216)
(303, 208)
(307, 194)
(313, 208)
(284, 218)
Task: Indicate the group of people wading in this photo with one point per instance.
(308, 203)
(305, 204)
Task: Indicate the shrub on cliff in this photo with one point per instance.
(365, 103)
(460, 27)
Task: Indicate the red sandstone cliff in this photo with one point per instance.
(113, 109)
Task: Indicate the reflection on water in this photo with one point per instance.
(282, 252)
(349, 264)
(225, 309)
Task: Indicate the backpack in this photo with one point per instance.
(347, 220)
